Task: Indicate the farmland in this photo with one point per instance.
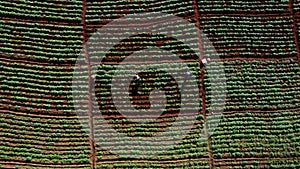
(257, 72)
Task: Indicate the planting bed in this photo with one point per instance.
(43, 141)
(260, 84)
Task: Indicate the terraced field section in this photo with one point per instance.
(257, 44)
(259, 128)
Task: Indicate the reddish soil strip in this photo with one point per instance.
(295, 29)
(91, 25)
(54, 116)
(257, 111)
(11, 59)
(202, 88)
(251, 159)
(121, 25)
(165, 61)
(203, 94)
(230, 163)
(87, 61)
(156, 161)
(43, 165)
(220, 59)
(254, 58)
(243, 13)
(197, 18)
(41, 21)
(139, 62)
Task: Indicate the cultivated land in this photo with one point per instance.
(257, 41)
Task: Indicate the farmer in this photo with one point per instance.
(204, 62)
(137, 83)
(94, 78)
(187, 75)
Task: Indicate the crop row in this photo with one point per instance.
(296, 5)
(64, 11)
(197, 164)
(41, 166)
(259, 84)
(257, 135)
(42, 140)
(298, 26)
(250, 36)
(232, 6)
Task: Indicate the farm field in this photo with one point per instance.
(258, 57)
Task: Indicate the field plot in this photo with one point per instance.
(48, 92)
(257, 135)
(258, 45)
(37, 119)
(253, 36)
(191, 147)
(42, 141)
(261, 85)
(40, 43)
